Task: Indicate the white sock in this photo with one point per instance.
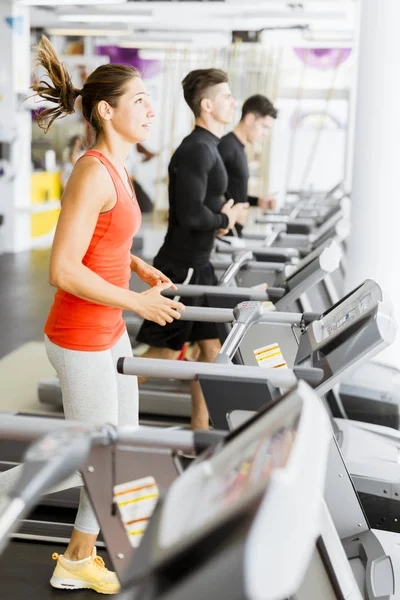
(76, 562)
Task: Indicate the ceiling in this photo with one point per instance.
(199, 21)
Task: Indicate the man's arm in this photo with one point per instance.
(226, 153)
(252, 200)
(191, 177)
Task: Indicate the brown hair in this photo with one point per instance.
(107, 82)
(197, 84)
(260, 106)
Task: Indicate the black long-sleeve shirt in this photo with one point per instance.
(197, 183)
(233, 154)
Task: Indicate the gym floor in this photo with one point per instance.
(25, 298)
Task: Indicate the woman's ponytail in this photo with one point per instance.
(58, 90)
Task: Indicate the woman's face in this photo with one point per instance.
(132, 118)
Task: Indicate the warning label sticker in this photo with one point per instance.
(270, 357)
(136, 501)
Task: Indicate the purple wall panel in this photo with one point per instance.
(131, 58)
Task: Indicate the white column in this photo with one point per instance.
(15, 125)
(374, 247)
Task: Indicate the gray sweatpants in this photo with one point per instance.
(92, 392)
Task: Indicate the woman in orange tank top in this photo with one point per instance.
(90, 266)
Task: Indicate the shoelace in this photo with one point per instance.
(98, 561)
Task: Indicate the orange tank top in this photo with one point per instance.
(77, 324)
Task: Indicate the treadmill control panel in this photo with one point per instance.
(355, 306)
(248, 312)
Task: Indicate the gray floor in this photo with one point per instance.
(25, 298)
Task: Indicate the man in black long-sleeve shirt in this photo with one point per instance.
(258, 114)
(197, 212)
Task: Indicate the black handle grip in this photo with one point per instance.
(299, 228)
(263, 255)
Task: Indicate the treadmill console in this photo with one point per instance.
(231, 478)
(257, 480)
(357, 305)
(353, 330)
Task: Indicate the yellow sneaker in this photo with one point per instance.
(90, 573)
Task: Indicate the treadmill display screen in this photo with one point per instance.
(352, 308)
(366, 302)
(232, 479)
(347, 317)
(254, 466)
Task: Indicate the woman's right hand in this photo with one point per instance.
(152, 306)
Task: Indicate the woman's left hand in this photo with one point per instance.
(148, 273)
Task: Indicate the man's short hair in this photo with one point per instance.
(197, 84)
(260, 106)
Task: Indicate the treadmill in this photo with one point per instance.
(367, 549)
(310, 201)
(370, 393)
(303, 235)
(328, 257)
(364, 326)
(170, 399)
(210, 527)
(309, 206)
(55, 516)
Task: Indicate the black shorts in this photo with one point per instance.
(174, 335)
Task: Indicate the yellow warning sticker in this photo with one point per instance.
(270, 357)
(136, 501)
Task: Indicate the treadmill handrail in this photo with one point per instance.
(29, 429)
(256, 265)
(225, 315)
(207, 315)
(239, 292)
(49, 461)
(178, 369)
(288, 253)
(326, 226)
(314, 254)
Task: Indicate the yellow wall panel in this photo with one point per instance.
(45, 187)
(43, 223)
